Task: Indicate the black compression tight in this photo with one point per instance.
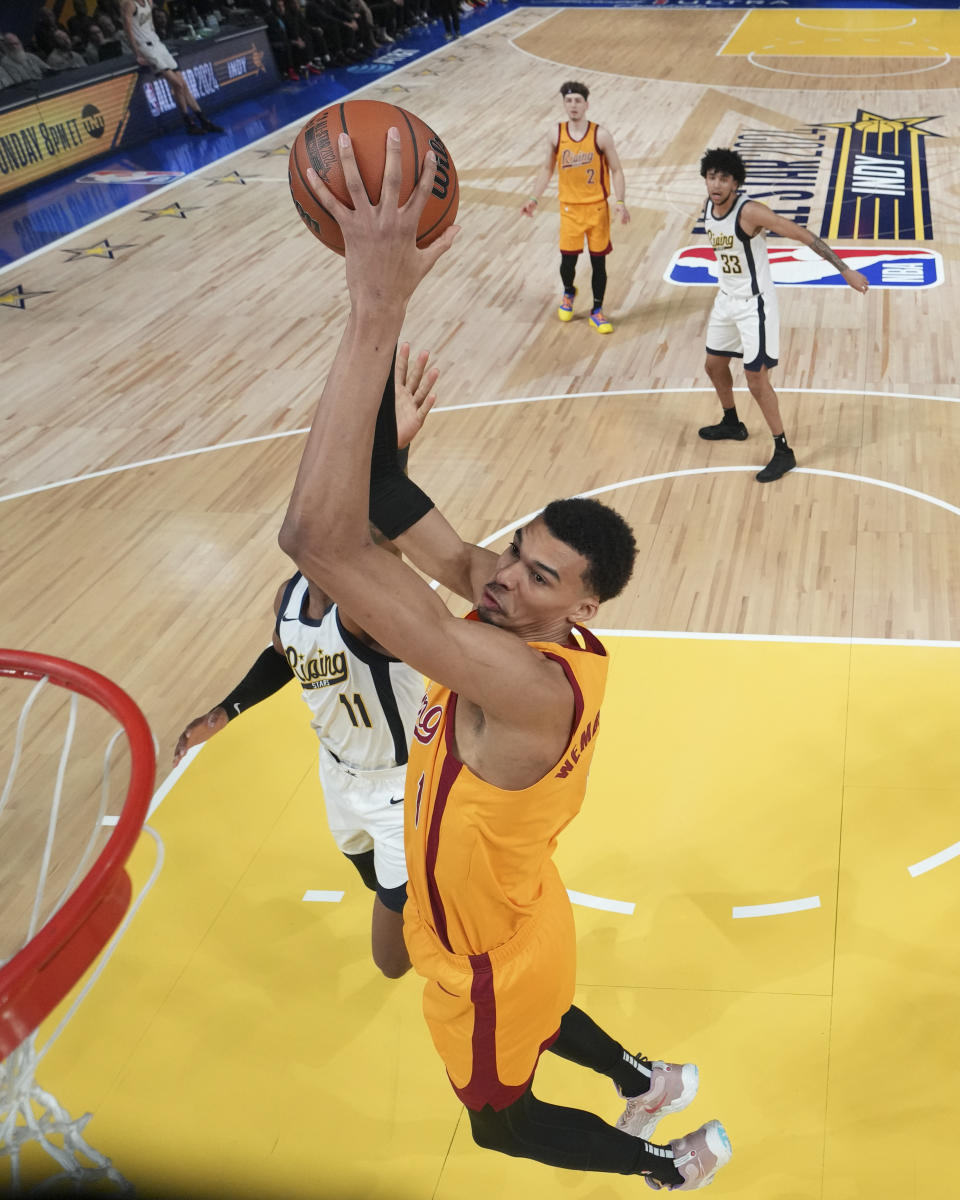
(570, 1138)
(568, 270)
(598, 263)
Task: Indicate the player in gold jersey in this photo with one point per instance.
(587, 166)
(503, 740)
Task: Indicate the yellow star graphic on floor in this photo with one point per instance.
(273, 153)
(101, 250)
(171, 210)
(233, 177)
(16, 297)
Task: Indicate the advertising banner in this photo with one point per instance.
(52, 133)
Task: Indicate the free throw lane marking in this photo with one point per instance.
(935, 860)
(316, 897)
(588, 901)
(775, 910)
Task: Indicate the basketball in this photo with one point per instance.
(367, 122)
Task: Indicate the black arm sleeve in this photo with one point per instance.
(267, 675)
(396, 502)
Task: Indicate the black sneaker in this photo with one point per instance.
(782, 462)
(720, 431)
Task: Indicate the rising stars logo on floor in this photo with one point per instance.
(878, 181)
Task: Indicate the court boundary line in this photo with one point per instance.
(733, 33)
(776, 909)
(120, 468)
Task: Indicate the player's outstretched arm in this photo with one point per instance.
(755, 216)
(326, 528)
(543, 177)
(268, 674)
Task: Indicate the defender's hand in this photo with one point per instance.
(857, 281)
(199, 730)
(414, 397)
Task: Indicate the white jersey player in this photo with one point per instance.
(744, 321)
(363, 706)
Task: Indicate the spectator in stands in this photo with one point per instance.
(43, 32)
(449, 11)
(63, 57)
(79, 24)
(360, 11)
(340, 29)
(111, 9)
(290, 52)
(303, 46)
(18, 64)
(99, 48)
(112, 34)
(154, 57)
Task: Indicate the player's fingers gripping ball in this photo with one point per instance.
(366, 122)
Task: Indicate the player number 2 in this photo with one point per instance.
(731, 264)
(359, 706)
(591, 175)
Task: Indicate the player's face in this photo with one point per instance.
(537, 590)
(721, 188)
(575, 105)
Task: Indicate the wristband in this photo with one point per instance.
(533, 200)
(267, 675)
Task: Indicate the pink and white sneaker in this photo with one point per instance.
(672, 1087)
(698, 1157)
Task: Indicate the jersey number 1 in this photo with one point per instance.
(358, 704)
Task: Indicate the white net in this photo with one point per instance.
(64, 840)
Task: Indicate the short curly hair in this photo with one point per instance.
(727, 161)
(573, 87)
(601, 535)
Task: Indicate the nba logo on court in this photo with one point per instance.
(798, 266)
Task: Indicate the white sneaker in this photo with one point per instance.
(672, 1087)
(698, 1157)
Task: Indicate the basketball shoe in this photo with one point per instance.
(672, 1087)
(783, 460)
(722, 430)
(600, 322)
(565, 311)
(698, 1157)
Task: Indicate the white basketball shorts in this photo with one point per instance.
(746, 327)
(365, 811)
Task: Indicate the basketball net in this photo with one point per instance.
(50, 959)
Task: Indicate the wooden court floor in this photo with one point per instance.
(780, 722)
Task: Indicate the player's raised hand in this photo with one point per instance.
(199, 730)
(384, 264)
(413, 385)
(856, 280)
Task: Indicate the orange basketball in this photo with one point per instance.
(367, 122)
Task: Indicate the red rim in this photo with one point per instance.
(37, 978)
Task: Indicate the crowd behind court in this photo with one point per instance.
(306, 36)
